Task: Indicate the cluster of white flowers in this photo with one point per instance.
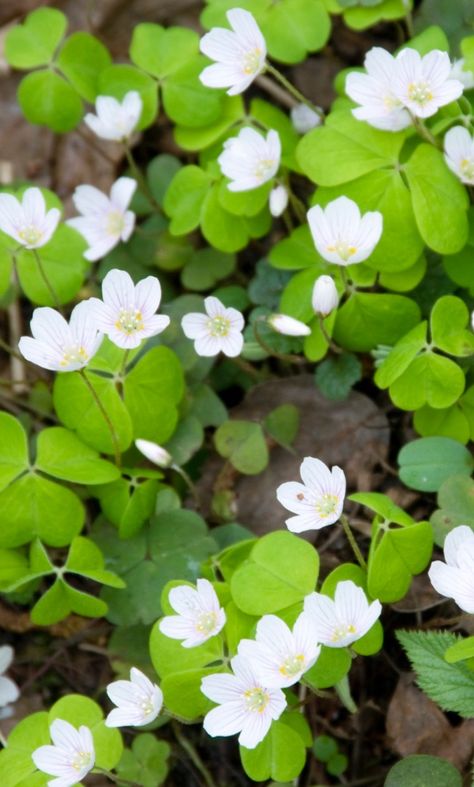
(396, 89)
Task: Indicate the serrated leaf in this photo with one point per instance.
(450, 685)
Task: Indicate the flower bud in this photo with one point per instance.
(288, 325)
(304, 118)
(278, 200)
(154, 452)
(325, 298)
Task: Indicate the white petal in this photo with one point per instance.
(221, 688)
(122, 192)
(9, 691)
(148, 296)
(194, 325)
(89, 200)
(255, 727)
(6, 657)
(454, 541)
(118, 290)
(225, 720)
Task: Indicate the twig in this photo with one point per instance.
(350, 537)
(187, 746)
(293, 90)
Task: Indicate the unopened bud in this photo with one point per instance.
(154, 452)
(325, 297)
(289, 326)
(278, 200)
(304, 118)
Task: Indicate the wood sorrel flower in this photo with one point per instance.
(138, 701)
(340, 621)
(304, 118)
(249, 160)
(279, 655)
(219, 330)
(115, 120)
(325, 297)
(318, 501)
(424, 84)
(245, 705)
(27, 221)
(70, 758)
(58, 345)
(126, 312)
(455, 578)
(239, 53)
(341, 235)
(373, 91)
(105, 221)
(199, 617)
(459, 153)
(9, 691)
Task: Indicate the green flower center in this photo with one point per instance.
(206, 622)
(115, 223)
(420, 92)
(256, 700)
(292, 665)
(74, 354)
(147, 706)
(30, 235)
(343, 249)
(218, 326)
(327, 504)
(252, 61)
(81, 760)
(129, 321)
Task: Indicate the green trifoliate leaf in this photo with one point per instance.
(280, 756)
(429, 379)
(190, 138)
(344, 149)
(446, 422)
(449, 319)
(449, 685)
(368, 319)
(396, 554)
(205, 268)
(81, 60)
(440, 201)
(418, 770)
(146, 763)
(281, 570)
(161, 52)
(282, 424)
(243, 443)
(427, 462)
(456, 506)
(46, 99)
(360, 18)
(34, 42)
(186, 100)
(14, 458)
(401, 356)
(184, 197)
(61, 454)
(336, 376)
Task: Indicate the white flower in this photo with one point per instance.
(455, 578)
(199, 617)
(239, 54)
(58, 345)
(105, 221)
(9, 691)
(459, 72)
(245, 705)
(154, 452)
(115, 120)
(341, 621)
(374, 92)
(325, 297)
(278, 655)
(459, 153)
(282, 323)
(70, 758)
(249, 159)
(304, 118)
(318, 501)
(341, 235)
(278, 200)
(127, 312)
(424, 84)
(219, 330)
(27, 221)
(138, 701)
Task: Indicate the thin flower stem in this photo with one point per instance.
(334, 347)
(123, 368)
(141, 179)
(113, 777)
(46, 281)
(351, 538)
(6, 347)
(110, 426)
(292, 89)
(344, 278)
(189, 483)
(409, 24)
(246, 367)
(188, 747)
(425, 133)
(298, 207)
